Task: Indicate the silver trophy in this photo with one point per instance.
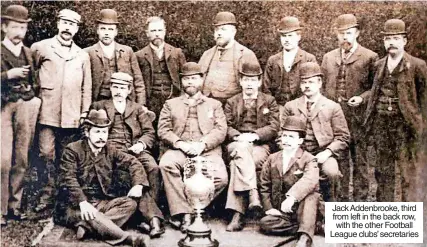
(199, 189)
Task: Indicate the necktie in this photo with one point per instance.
(309, 105)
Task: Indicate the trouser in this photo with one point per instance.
(394, 145)
(301, 221)
(52, 141)
(172, 166)
(112, 215)
(18, 121)
(245, 165)
(333, 184)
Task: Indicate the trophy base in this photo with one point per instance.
(198, 239)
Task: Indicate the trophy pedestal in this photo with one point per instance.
(198, 235)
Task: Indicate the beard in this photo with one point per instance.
(157, 42)
(106, 41)
(346, 46)
(222, 42)
(191, 90)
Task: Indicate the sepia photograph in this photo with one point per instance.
(213, 123)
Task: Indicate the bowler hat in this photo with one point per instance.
(250, 68)
(68, 14)
(121, 78)
(346, 21)
(190, 68)
(108, 16)
(223, 18)
(394, 27)
(309, 69)
(294, 123)
(289, 24)
(97, 118)
(16, 13)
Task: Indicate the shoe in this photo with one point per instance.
(136, 240)
(16, 214)
(236, 223)
(254, 201)
(3, 221)
(143, 227)
(320, 228)
(80, 234)
(157, 228)
(186, 222)
(304, 241)
(174, 222)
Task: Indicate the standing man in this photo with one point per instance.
(221, 64)
(289, 186)
(108, 56)
(160, 64)
(190, 125)
(65, 90)
(132, 131)
(327, 134)
(253, 123)
(19, 110)
(393, 117)
(282, 70)
(349, 71)
(87, 200)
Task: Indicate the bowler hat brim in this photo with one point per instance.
(108, 22)
(311, 75)
(250, 74)
(191, 73)
(103, 124)
(393, 33)
(11, 18)
(289, 30)
(343, 28)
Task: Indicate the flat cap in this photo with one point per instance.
(289, 24)
(97, 118)
(394, 27)
(310, 69)
(223, 18)
(346, 21)
(121, 78)
(294, 123)
(16, 13)
(191, 68)
(70, 15)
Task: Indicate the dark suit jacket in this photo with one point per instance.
(6, 93)
(267, 116)
(276, 184)
(175, 59)
(273, 76)
(411, 90)
(212, 122)
(126, 62)
(328, 121)
(359, 71)
(75, 173)
(136, 117)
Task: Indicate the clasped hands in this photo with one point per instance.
(89, 212)
(191, 148)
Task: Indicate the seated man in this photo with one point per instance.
(289, 185)
(131, 131)
(253, 123)
(327, 133)
(86, 199)
(190, 125)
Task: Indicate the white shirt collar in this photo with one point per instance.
(94, 150)
(314, 100)
(393, 62)
(108, 49)
(159, 51)
(15, 49)
(253, 96)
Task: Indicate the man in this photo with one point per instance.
(282, 70)
(221, 64)
(327, 134)
(395, 104)
(190, 125)
(253, 123)
(108, 56)
(87, 199)
(160, 64)
(132, 131)
(349, 71)
(65, 90)
(19, 110)
(289, 186)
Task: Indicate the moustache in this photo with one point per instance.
(117, 95)
(18, 37)
(391, 48)
(100, 141)
(66, 32)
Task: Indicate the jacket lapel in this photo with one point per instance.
(168, 51)
(99, 53)
(278, 162)
(298, 56)
(301, 105)
(130, 107)
(260, 102)
(355, 56)
(239, 108)
(294, 159)
(317, 107)
(109, 107)
(337, 56)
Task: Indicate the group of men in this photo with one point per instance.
(136, 107)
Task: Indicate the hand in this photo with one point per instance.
(20, 72)
(287, 204)
(135, 191)
(247, 137)
(273, 211)
(87, 211)
(82, 118)
(184, 146)
(355, 101)
(198, 148)
(323, 156)
(137, 148)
